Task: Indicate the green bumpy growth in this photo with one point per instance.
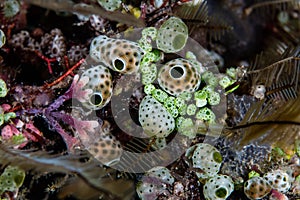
(206, 114)
(11, 179)
(3, 88)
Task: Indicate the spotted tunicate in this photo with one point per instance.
(178, 76)
(110, 5)
(218, 187)
(257, 188)
(279, 180)
(106, 149)
(154, 183)
(120, 55)
(154, 118)
(2, 38)
(100, 81)
(205, 157)
(172, 35)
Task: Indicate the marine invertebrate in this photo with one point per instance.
(120, 55)
(154, 118)
(178, 76)
(205, 157)
(104, 148)
(110, 5)
(218, 187)
(257, 188)
(10, 8)
(154, 182)
(100, 82)
(2, 38)
(3, 88)
(279, 180)
(11, 179)
(172, 35)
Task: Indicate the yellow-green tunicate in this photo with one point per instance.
(172, 35)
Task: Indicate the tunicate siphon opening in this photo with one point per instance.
(177, 72)
(119, 64)
(217, 157)
(221, 192)
(96, 99)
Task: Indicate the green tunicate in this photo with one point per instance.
(169, 102)
(18, 139)
(207, 75)
(110, 5)
(172, 35)
(9, 115)
(173, 111)
(11, 179)
(213, 81)
(186, 96)
(225, 82)
(206, 114)
(208, 89)
(253, 174)
(149, 88)
(187, 128)
(190, 55)
(214, 98)
(149, 32)
(145, 45)
(200, 102)
(191, 109)
(179, 121)
(182, 109)
(159, 95)
(3, 88)
(179, 102)
(148, 78)
(146, 65)
(201, 94)
(232, 72)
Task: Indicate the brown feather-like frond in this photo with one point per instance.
(270, 7)
(89, 171)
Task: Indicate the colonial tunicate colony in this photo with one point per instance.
(183, 96)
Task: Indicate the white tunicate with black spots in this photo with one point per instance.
(110, 5)
(154, 118)
(218, 188)
(100, 81)
(120, 55)
(172, 35)
(205, 157)
(161, 173)
(154, 183)
(257, 188)
(279, 180)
